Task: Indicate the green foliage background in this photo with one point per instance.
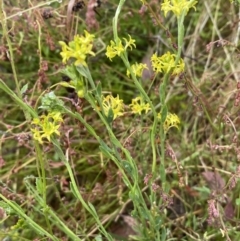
(211, 56)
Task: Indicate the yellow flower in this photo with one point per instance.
(130, 42)
(46, 125)
(114, 49)
(172, 120)
(137, 69)
(166, 62)
(77, 49)
(66, 52)
(117, 48)
(115, 104)
(178, 7)
(138, 106)
(37, 135)
(88, 39)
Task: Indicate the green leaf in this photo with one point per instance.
(71, 72)
(92, 208)
(203, 190)
(110, 116)
(24, 88)
(164, 112)
(73, 190)
(84, 71)
(39, 186)
(99, 89)
(7, 208)
(237, 201)
(164, 234)
(127, 166)
(19, 101)
(158, 222)
(115, 142)
(66, 84)
(134, 196)
(162, 92)
(98, 238)
(51, 102)
(162, 173)
(134, 213)
(80, 87)
(144, 213)
(105, 150)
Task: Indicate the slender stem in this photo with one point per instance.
(42, 176)
(51, 215)
(76, 190)
(28, 110)
(28, 219)
(180, 37)
(162, 131)
(92, 132)
(146, 97)
(115, 20)
(136, 189)
(162, 91)
(46, 3)
(9, 43)
(62, 226)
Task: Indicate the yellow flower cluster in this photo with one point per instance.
(77, 49)
(138, 106)
(172, 120)
(116, 104)
(46, 125)
(117, 48)
(178, 7)
(137, 69)
(166, 63)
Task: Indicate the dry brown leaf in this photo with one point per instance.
(124, 228)
(214, 180)
(229, 210)
(69, 15)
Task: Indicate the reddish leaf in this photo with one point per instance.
(2, 162)
(214, 180)
(229, 210)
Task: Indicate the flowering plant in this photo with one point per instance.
(77, 49)
(178, 7)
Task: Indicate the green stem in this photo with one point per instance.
(115, 20)
(26, 108)
(38, 229)
(100, 141)
(50, 213)
(116, 143)
(9, 43)
(69, 233)
(134, 189)
(30, 9)
(76, 192)
(42, 177)
(162, 91)
(154, 126)
(180, 36)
